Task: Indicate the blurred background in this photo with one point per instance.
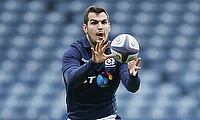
(35, 33)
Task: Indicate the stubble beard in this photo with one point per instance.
(94, 42)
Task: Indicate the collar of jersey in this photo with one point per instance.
(85, 42)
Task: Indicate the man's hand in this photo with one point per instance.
(98, 55)
(133, 66)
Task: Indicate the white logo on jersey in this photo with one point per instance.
(84, 60)
(90, 79)
(110, 62)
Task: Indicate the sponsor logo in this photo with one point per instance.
(103, 79)
(90, 79)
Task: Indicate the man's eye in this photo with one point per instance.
(104, 22)
(93, 23)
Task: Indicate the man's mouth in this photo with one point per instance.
(100, 35)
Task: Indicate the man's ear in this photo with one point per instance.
(84, 26)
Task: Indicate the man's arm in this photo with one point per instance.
(132, 83)
(129, 76)
(74, 73)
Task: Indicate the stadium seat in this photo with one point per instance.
(35, 34)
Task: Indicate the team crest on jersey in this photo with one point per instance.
(103, 79)
(110, 62)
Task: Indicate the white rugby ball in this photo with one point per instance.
(125, 48)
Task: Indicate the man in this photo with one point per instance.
(91, 74)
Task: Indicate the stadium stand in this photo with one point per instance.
(35, 33)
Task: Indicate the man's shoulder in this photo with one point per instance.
(74, 48)
(80, 43)
(76, 44)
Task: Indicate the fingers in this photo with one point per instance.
(101, 47)
(133, 66)
(101, 44)
(138, 61)
(98, 55)
(109, 56)
(92, 50)
(137, 68)
(106, 46)
(97, 46)
(134, 72)
(131, 72)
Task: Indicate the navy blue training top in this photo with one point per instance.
(91, 87)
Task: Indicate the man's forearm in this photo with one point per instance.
(132, 83)
(74, 76)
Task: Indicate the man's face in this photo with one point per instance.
(97, 29)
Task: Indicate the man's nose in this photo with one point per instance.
(100, 25)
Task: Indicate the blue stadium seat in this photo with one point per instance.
(35, 34)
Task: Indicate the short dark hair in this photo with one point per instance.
(95, 9)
